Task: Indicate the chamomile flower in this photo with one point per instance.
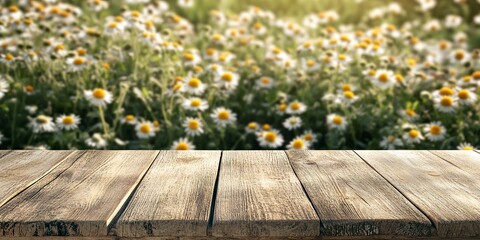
(292, 123)
(3, 87)
(195, 104)
(41, 124)
(129, 119)
(310, 137)
(183, 144)
(295, 108)
(145, 130)
(413, 136)
(337, 122)
(96, 141)
(466, 146)
(223, 116)
(194, 86)
(252, 127)
(68, 122)
(446, 104)
(466, 97)
(409, 114)
(435, 131)
(265, 82)
(298, 144)
(228, 80)
(193, 126)
(77, 63)
(391, 142)
(98, 97)
(384, 79)
(270, 139)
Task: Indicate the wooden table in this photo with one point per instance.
(239, 194)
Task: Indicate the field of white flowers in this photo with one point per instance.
(220, 74)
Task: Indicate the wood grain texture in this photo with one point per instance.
(468, 161)
(21, 169)
(449, 196)
(259, 195)
(352, 199)
(174, 198)
(78, 198)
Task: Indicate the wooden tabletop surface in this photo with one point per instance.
(239, 194)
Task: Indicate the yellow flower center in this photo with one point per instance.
(310, 63)
(270, 136)
(182, 146)
(342, 57)
(210, 51)
(266, 127)
(459, 55)
(372, 72)
(468, 148)
(196, 103)
(383, 77)
(145, 128)
(129, 118)
(446, 101)
(9, 57)
(308, 137)
(29, 88)
(188, 56)
(282, 107)
(68, 120)
(99, 93)
(295, 106)
(476, 75)
(337, 120)
(399, 78)
(78, 61)
(446, 91)
(298, 144)
(391, 138)
(177, 87)
(193, 124)
(463, 94)
(217, 37)
(42, 119)
(194, 82)
(410, 112)
(346, 87)
(227, 77)
(435, 130)
(349, 94)
(413, 133)
(223, 115)
(252, 125)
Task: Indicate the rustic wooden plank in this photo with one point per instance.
(21, 169)
(78, 198)
(354, 200)
(468, 161)
(174, 198)
(449, 196)
(259, 195)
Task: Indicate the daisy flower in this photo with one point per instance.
(129, 119)
(228, 80)
(270, 139)
(96, 141)
(435, 131)
(298, 144)
(265, 82)
(413, 136)
(309, 136)
(466, 146)
(292, 123)
(68, 122)
(42, 123)
(4, 85)
(391, 143)
(222, 116)
(145, 130)
(409, 114)
(335, 121)
(296, 107)
(384, 79)
(98, 97)
(195, 104)
(252, 127)
(347, 97)
(193, 126)
(466, 97)
(446, 104)
(194, 86)
(77, 63)
(183, 144)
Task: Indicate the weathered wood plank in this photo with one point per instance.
(449, 196)
(468, 161)
(78, 198)
(20, 169)
(352, 199)
(174, 198)
(259, 195)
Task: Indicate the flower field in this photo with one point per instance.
(221, 74)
